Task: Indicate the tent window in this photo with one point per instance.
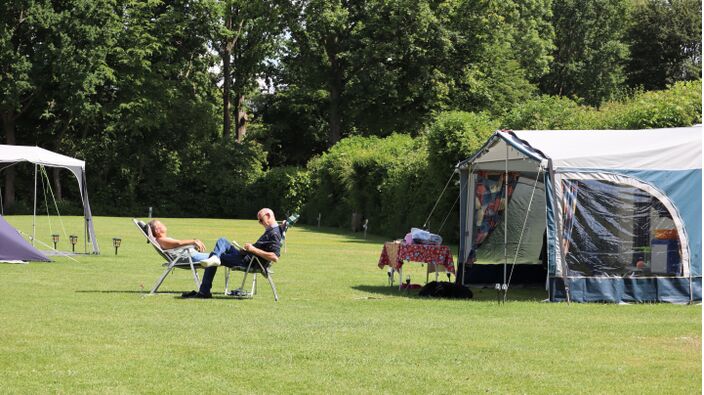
(617, 230)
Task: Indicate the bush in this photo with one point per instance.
(679, 105)
(210, 180)
(283, 189)
(351, 176)
(543, 113)
(454, 136)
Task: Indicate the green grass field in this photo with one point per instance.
(82, 327)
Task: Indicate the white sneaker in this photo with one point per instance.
(211, 261)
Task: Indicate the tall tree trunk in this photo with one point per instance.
(8, 127)
(336, 86)
(334, 118)
(226, 121)
(226, 86)
(241, 118)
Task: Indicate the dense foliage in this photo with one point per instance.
(218, 107)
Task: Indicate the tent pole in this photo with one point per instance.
(34, 214)
(503, 284)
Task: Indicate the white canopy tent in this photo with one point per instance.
(42, 157)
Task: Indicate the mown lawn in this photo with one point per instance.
(72, 327)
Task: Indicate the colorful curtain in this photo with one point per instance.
(490, 196)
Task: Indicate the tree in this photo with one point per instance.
(52, 59)
(245, 37)
(498, 47)
(665, 43)
(591, 50)
(318, 52)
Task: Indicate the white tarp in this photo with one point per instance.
(653, 149)
(41, 156)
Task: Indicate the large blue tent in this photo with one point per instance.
(612, 215)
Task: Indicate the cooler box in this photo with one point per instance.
(664, 257)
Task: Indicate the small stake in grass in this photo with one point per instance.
(497, 287)
(116, 241)
(74, 240)
(55, 239)
(319, 216)
(365, 226)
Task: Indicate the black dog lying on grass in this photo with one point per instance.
(439, 289)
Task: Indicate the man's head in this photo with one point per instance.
(266, 217)
(158, 228)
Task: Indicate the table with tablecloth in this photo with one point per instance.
(394, 254)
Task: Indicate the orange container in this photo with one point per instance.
(666, 234)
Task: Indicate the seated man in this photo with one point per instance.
(158, 230)
(198, 255)
(267, 247)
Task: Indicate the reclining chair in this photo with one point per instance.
(257, 266)
(176, 258)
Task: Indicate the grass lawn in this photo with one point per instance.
(72, 327)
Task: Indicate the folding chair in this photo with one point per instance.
(176, 258)
(256, 266)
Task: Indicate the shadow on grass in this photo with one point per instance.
(110, 291)
(174, 294)
(387, 290)
(480, 294)
(353, 237)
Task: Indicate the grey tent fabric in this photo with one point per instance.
(15, 248)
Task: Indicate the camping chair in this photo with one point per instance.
(257, 266)
(176, 258)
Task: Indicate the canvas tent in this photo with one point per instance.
(11, 154)
(613, 215)
(16, 248)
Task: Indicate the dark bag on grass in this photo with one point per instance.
(443, 289)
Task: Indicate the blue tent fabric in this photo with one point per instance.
(13, 247)
(638, 188)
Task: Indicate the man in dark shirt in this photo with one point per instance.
(267, 247)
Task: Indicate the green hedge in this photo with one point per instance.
(356, 176)
(680, 105)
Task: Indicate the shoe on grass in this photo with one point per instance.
(210, 261)
(196, 295)
(239, 293)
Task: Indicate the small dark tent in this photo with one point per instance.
(15, 248)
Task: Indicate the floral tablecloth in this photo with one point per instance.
(393, 254)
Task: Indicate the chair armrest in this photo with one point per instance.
(180, 251)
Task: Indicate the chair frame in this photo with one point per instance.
(176, 258)
(260, 268)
